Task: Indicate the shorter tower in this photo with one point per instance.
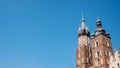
(101, 47)
(83, 52)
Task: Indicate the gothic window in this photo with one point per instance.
(108, 53)
(107, 43)
(96, 44)
(97, 54)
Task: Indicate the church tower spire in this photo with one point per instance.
(83, 51)
(83, 22)
(84, 29)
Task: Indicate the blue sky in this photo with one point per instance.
(43, 33)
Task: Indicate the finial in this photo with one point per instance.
(98, 19)
(82, 16)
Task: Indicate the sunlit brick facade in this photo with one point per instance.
(95, 50)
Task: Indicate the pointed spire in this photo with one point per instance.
(83, 30)
(98, 22)
(83, 22)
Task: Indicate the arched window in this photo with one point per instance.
(107, 43)
(96, 44)
(108, 53)
(97, 54)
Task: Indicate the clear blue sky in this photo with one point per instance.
(43, 33)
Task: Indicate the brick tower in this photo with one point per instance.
(83, 52)
(101, 47)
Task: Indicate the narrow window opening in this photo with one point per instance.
(108, 53)
(98, 54)
(96, 44)
(107, 44)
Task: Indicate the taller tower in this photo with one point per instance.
(101, 47)
(83, 52)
